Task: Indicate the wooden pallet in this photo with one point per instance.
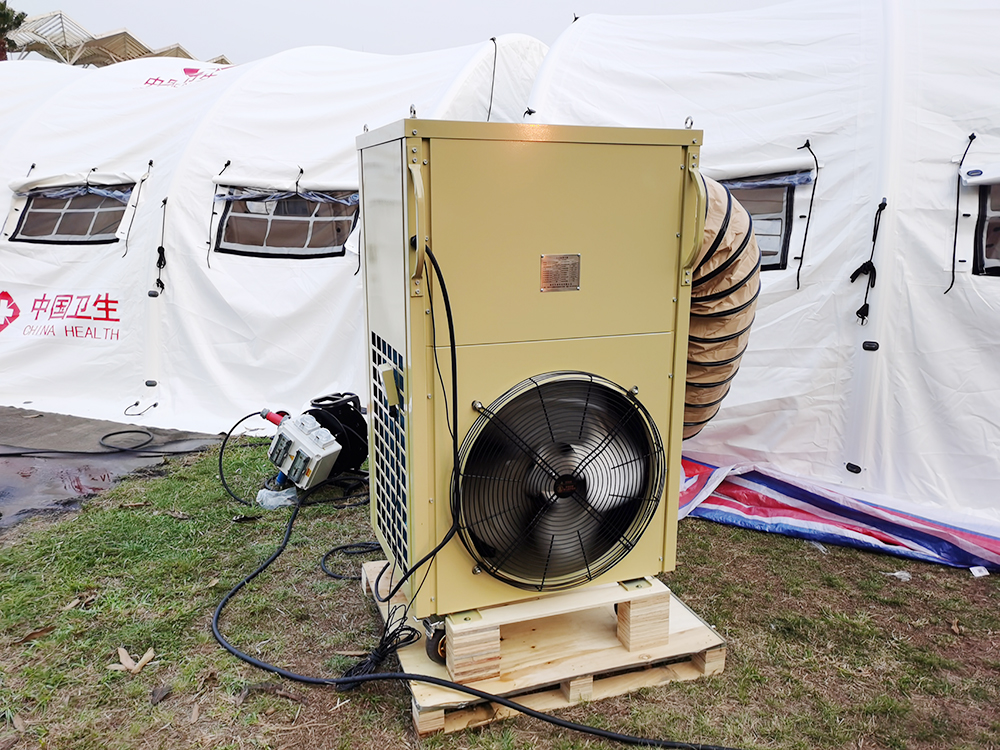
(556, 651)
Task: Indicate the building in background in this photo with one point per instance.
(58, 37)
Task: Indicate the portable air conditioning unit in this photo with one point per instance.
(566, 255)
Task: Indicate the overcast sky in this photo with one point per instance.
(245, 30)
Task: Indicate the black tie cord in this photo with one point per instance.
(812, 196)
(868, 267)
(493, 82)
(958, 198)
(135, 205)
(161, 257)
(211, 220)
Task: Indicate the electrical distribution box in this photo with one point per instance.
(303, 450)
(566, 253)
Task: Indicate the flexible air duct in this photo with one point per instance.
(724, 290)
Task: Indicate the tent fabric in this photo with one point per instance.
(762, 500)
(197, 338)
(906, 406)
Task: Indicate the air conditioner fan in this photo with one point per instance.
(559, 478)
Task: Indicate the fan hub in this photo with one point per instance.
(566, 485)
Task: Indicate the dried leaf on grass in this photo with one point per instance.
(125, 659)
(956, 628)
(128, 664)
(146, 658)
(19, 724)
(159, 693)
(195, 713)
(178, 515)
(273, 688)
(132, 505)
(72, 604)
(36, 634)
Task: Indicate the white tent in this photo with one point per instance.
(905, 408)
(171, 149)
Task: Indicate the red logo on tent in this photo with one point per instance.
(191, 71)
(8, 310)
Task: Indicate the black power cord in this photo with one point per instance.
(355, 548)
(222, 450)
(141, 450)
(456, 489)
(401, 636)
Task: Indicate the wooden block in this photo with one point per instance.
(472, 654)
(644, 623)
(711, 661)
(580, 689)
(427, 722)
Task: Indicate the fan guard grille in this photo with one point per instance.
(559, 478)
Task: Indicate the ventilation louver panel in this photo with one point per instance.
(559, 478)
(389, 456)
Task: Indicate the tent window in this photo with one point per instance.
(286, 225)
(987, 260)
(83, 214)
(770, 201)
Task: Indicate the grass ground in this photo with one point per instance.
(826, 650)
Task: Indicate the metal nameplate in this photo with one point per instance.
(561, 273)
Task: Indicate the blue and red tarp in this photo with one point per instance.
(765, 500)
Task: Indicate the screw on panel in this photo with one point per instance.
(477, 405)
(425, 162)
(634, 390)
(476, 571)
(414, 149)
(414, 132)
(675, 299)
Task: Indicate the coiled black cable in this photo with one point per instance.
(357, 679)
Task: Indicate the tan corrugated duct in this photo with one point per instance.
(724, 290)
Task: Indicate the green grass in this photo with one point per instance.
(825, 651)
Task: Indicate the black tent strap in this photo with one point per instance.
(958, 202)
(868, 267)
(812, 196)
